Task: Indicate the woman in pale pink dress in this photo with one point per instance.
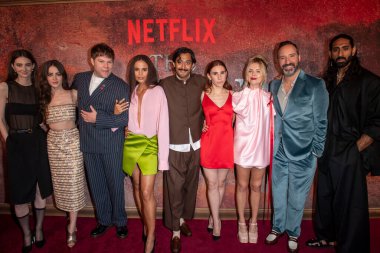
(251, 143)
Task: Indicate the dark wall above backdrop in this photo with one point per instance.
(230, 30)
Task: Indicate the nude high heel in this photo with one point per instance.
(243, 233)
(253, 232)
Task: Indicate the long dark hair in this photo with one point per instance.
(332, 69)
(209, 66)
(12, 75)
(45, 88)
(152, 79)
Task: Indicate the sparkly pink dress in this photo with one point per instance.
(252, 128)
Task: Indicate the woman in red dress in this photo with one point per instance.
(217, 141)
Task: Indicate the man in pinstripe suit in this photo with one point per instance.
(102, 138)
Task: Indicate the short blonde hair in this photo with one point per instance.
(263, 63)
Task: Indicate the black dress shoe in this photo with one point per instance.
(175, 245)
(185, 229)
(99, 230)
(122, 232)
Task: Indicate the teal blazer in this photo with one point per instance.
(303, 124)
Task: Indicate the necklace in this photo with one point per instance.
(339, 77)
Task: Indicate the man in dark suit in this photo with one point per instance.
(102, 138)
(301, 102)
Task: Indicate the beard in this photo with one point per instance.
(289, 72)
(342, 64)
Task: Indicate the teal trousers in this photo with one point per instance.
(291, 182)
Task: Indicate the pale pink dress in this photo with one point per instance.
(252, 127)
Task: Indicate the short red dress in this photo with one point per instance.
(218, 142)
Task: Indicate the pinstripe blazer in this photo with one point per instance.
(98, 137)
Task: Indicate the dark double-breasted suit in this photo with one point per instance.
(300, 132)
(102, 145)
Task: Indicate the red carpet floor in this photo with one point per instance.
(201, 241)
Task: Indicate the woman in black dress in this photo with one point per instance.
(28, 167)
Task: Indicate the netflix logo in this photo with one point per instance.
(172, 29)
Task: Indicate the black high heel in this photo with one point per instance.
(154, 246)
(210, 226)
(143, 237)
(41, 243)
(217, 237)
(28, 248)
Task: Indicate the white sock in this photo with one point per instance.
(292, 244)
(177, 233)
(271, 237)
(181, 221)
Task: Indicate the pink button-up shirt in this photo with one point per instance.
(154, 120)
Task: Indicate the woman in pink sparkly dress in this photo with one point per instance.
(251, 143)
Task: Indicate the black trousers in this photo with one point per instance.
(342, 199)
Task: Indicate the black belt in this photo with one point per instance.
(21, 131)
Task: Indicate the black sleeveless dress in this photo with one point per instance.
(26, 146)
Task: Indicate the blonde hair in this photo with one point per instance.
(263, 63)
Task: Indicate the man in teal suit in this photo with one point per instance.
(301, 103)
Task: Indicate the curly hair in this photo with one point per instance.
(183, 50)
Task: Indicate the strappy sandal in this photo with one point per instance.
(252, 232)
(319, 243)
(71, 238)
(242, 232)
